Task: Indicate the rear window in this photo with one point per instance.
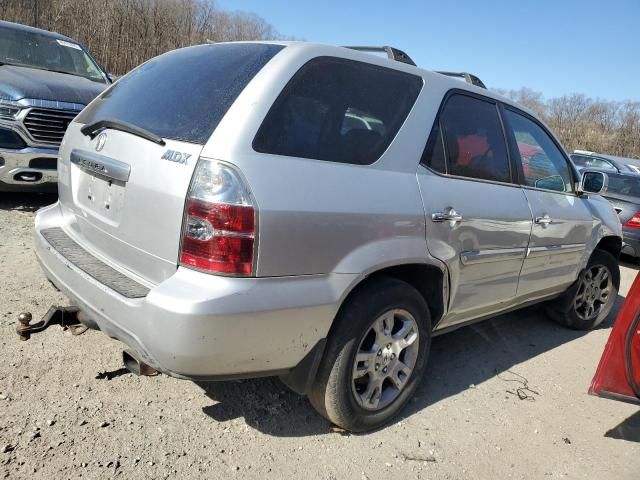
(182, 94)
(338, 110)
(624, 185)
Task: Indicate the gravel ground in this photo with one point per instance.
(69, 410)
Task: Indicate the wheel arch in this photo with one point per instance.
(612, 245)
(431, 281)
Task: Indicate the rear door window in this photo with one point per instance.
(338, 110)
(468, 141)
(184, 93)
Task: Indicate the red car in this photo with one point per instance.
(618, 374)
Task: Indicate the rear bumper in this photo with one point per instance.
(199, 326)
(16, 174)
(631, 242)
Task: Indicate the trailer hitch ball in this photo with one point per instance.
(24, 319)
(66, 317)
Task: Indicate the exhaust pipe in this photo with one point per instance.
(137, 366)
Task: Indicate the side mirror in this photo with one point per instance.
(593, 182)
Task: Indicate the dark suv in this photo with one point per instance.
(45, 80)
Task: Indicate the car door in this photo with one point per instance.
(478, 221)
(562, 220)
(618, 373)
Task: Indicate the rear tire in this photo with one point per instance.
(590, 300)
(375, 356)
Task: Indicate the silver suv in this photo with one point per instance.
(317, 213)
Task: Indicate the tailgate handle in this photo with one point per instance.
(101, 166)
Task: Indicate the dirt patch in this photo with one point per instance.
(503, 399)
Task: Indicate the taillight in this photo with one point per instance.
(219, 230)
(633, 222)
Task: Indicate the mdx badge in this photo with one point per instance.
(178, 157)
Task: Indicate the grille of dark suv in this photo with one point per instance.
(48, 126)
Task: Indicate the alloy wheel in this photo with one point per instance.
(594, 292)
(385, 359)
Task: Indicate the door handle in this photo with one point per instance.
(544, 220)
(449, 216)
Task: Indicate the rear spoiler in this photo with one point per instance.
(400, 56)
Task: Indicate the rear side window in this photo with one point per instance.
(338, 110)
(468, 141)
(184, 93)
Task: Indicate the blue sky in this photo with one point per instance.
(552, 46)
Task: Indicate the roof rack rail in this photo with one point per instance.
(468, 77)
(392, 53)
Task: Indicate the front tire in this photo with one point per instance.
(375, 356)
(587, 303)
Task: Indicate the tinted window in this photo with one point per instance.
(624, 185)
(433, 156)
(473, 139)
(338, 110)
(591, 162)
(184, 93)
(543, 164)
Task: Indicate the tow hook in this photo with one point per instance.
(66, 317)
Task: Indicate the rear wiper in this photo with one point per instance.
(94, 128)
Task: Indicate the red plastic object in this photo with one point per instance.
(611, 379)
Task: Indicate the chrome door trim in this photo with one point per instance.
(551, 249)
(474, 257)
(100, 165)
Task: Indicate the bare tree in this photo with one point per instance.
(121, 34)
(583, 123)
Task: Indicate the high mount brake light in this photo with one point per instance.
(633, 222)
(219, 228)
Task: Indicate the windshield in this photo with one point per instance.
(624, 185)
(29, 49)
